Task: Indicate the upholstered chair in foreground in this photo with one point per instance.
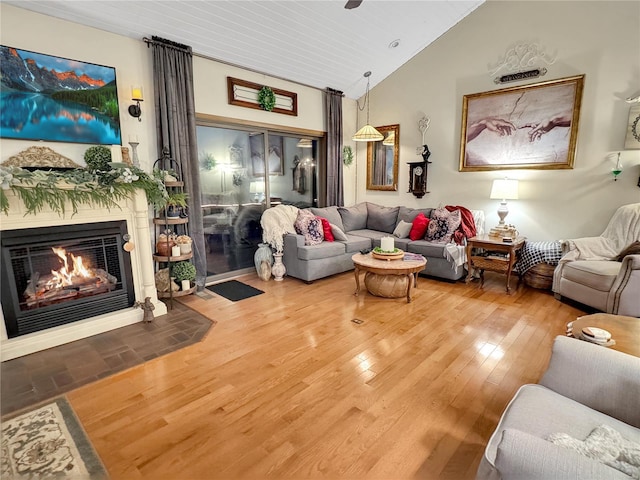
(581, 422)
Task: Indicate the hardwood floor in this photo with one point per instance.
(288, 386)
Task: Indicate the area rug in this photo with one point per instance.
(234, 290)
(48, 442)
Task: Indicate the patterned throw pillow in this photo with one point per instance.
(442, 226)
(310, 226)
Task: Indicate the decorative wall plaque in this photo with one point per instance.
(40, 157)
(632, 140)
(245, 94)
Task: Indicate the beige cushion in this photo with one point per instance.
(597, 274)
(403, 229)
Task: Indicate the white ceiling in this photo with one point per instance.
(317, 43)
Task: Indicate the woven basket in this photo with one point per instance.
(540, 276)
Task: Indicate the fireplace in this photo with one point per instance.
(132, 217)
(56, 275)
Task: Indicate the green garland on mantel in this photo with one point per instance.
(54, 189)
(266, 98)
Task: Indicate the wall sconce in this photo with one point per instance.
(617, 170)
(136, 96)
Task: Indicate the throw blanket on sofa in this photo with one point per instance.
(276, 222)
(467, 227)
(607, 446)
(472, 224)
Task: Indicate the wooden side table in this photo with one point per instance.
(501, 256)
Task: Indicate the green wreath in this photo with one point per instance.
(347, 155)
(266, 99)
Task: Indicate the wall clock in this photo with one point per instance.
(418, 178)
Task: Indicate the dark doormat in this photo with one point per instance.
(234, 290)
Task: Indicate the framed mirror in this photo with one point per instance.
(382, 159)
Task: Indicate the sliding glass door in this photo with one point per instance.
(243, 172)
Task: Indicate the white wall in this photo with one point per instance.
(596, 38)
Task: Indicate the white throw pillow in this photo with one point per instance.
(338, 234)
(403, 229)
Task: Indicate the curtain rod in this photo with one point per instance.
(231, 64)
(167, 43)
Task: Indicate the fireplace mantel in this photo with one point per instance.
(136, 214)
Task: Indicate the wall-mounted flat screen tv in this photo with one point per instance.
(56, 99)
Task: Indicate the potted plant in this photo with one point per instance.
(175, 202)
(97, 158)
(184, 272)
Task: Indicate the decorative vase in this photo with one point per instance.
(263, 258)
(163, 247)
(278, 268)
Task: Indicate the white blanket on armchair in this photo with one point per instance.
(623, 229)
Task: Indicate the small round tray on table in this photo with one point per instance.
(388, 256)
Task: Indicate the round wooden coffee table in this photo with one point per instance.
(624, 330)
(382, 268)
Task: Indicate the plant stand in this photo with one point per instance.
(176, 225)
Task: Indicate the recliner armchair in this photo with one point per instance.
(589, 272)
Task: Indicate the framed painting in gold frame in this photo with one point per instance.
(530, 126)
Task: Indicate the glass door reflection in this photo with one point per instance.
(243, 171)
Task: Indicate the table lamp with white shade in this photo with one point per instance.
(256, 188)
(503, 189)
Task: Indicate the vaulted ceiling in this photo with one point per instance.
(317, 43)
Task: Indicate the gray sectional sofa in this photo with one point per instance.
(363, 225)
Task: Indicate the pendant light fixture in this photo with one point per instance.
(367, 133)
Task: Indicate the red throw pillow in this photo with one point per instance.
(419, 227)
(326, 228)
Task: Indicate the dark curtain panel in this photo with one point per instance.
(176, 127)
(335, 178)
